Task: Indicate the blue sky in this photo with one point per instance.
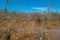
(30, 5)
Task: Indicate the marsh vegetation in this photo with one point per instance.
(29, 26)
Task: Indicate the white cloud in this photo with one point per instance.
(40, 8)
(44, 9)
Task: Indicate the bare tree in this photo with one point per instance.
(49, 6)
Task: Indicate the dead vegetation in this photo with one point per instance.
(24, 26)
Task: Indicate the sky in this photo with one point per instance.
(30, 5)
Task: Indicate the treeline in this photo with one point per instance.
(23, 16)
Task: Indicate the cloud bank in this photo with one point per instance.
(40, 8)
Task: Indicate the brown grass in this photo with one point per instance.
(25, 30)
